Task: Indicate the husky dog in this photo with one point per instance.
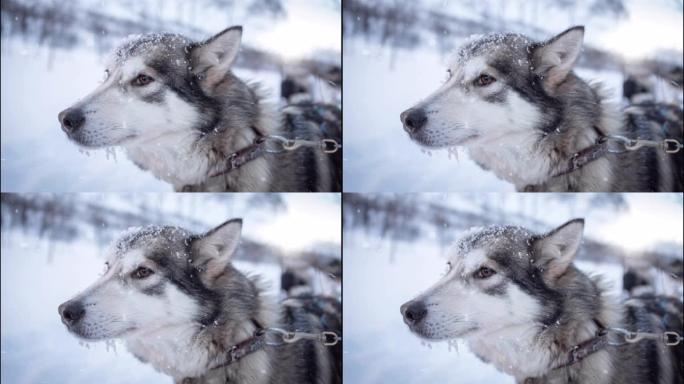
(178, 110)
(522, 113)
(179, 305)
(521, 304)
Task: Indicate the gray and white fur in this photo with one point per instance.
(179, 112)
(179, 304)
(519, 302)
(521, 112)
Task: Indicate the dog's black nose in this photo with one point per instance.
(413, 119)
(71, 119)
(71, 312)
(414, 312)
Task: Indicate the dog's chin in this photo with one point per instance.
(428, 335)
(99, 336)
(430, 143)
(88, 143)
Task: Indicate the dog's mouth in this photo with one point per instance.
(438, 332)
(93, 335)
(430, 142)
(97, 141)
(97, 332)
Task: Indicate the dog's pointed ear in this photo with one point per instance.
(555, 251)
(213, 250)
(212, 58)
(553, 59)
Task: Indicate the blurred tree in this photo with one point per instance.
(272, 201)
(273, 8)
(613, 201)
(614, 8)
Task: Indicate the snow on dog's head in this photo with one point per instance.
(155, 278)
(497, 277)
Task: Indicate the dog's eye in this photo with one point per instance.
(141, 273)
(142, 80)
(484, 272)
(484, 80)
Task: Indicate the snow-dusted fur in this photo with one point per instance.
(179, 305)
(179, 112)
(520, 112)
(521, 305)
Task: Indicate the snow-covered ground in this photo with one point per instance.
(379, 84)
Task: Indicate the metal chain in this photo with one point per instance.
(670, 338)
(327, 338)
(325, 145)
(668, 145)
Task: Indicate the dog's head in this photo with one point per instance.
(157, 85)
(155, 277)
(498, 85)
(496, 278)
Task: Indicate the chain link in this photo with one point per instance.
(667, 145)
(327, 338)
(325, 145)
(670, 338)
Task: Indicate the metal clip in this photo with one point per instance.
(669, 338)
(330, 146)
(327, 338)
(280, 148)
(292, 144)
(623, 143)
(672, 338)
(325, 145)
(668, 145)
(672, 146)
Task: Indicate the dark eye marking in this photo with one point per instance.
(484, 80)
(141, 273)
(484, 273)
(141, 80)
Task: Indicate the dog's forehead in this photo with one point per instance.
(145, 47)
(479, 244)
(481, 50)
(138, 243)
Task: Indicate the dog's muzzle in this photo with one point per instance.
(71, 312)
(413, 312)
(71, 119)
(413, 119)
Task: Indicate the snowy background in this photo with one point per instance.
(53, 53)
(394, 248)
(52, 248)
(395, 54)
